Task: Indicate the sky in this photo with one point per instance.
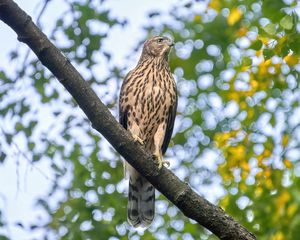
(21, 182)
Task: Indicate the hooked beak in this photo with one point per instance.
(171, 43)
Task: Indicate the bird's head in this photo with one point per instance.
(158, 47)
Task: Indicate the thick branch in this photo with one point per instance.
(179, 193)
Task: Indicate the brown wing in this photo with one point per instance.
(123, 117)
(170, 126)
(122, 109)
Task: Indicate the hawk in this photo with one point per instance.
(147, 109)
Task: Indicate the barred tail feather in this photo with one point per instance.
(141, 197)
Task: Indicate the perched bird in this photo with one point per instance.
(147, 109)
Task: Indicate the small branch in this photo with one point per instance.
(191, 204)
(23, 154)
(38, 23)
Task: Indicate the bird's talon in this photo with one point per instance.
(137, 139)
(160, 165)
(160, 161)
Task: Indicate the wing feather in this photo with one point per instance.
(123, 117)
(123, 111)
(170, 126)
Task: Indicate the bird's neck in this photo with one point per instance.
(160, 62)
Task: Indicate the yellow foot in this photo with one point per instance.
(137, 139)
(160, 161)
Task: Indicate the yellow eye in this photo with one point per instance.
(160, 40)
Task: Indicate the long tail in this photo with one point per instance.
(141, 197)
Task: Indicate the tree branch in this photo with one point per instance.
(179, 193)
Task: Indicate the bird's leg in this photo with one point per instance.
(137, 139)
(135, 132)
(158, 141)
(158, 156)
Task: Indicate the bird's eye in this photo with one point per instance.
(160, 40)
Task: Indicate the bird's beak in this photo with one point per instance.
(171, 43)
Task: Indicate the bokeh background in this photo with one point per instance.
(237, 132)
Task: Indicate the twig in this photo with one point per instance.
(23, 65)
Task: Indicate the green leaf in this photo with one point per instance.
(2, 237)
(31, 145)
(273, 120)
(18, 127)
(24, 110)
(59, 23)
(268, 53)
(9, 138)
(287, 22)
(285, 50)
(294, 43)
(13, 55)
(247, 61)
(2, 157)
(256, 45)
(270, 28)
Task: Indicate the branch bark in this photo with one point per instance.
(178, 192)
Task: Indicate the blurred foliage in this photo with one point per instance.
(2, 225)
(241, 61)
(237, 142)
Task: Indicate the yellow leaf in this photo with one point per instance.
(264, 40)
(243, 187)
(287, 163)
(291, 210)
(260, 163)
(245, 68)
(291, 60)
(234, 16)
(278, 236)
(237, 154)
(215, 4)
(240, 150)
(221, 139)
(234, 96)
(253, 84)
(258, 191)
(197, 19)
(259, 174)
(267, 173)
(250, 113)
(285, 140)
(242, 31)
(263, 67)
(244, 175)
(225, 202)
(259, 53)
(269, 184)
(283, 198)
(227, 177)
(267, 153)
(277, 67)
(243, 105)
(245, 166)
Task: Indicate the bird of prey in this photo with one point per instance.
(147, 109)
